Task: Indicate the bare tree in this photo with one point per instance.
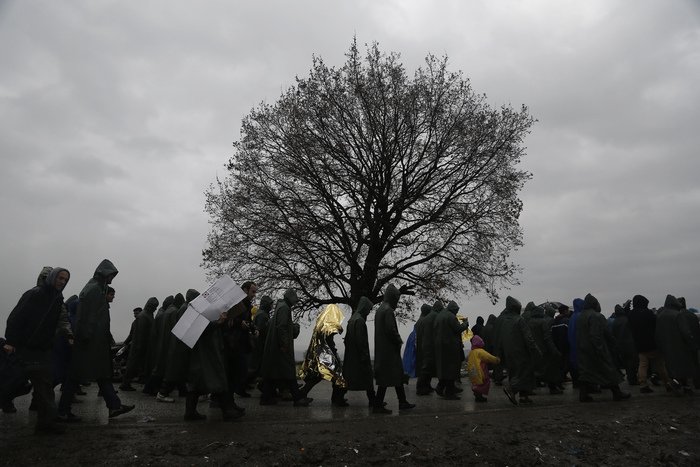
(361, 176)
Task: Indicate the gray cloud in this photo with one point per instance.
(115, 117)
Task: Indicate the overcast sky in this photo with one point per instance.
(116, 116)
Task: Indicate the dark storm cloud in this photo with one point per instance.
(116, 116)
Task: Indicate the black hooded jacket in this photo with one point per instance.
(33, 322)
(642, 322)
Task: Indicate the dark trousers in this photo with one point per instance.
(312, 379)
(166, 387)
(70, 387)
(423, 383)
(37, 367)
(447, 387)
(381, 393)
(268, 388)
(238, 371)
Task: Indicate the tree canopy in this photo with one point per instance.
(360, 176)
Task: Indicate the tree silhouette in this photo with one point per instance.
(360, 176)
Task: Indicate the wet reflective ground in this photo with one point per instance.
(148, 410)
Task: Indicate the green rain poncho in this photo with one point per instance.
(516, 347)
(177, 364)
(388, 366)
(593, 340)
(92, 357)
(140, 339)
(675, 341)
(278, 357)
(357, 364)
(448, 342)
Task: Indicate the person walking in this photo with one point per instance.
(357, 364)
(388, 367)
(517, 350)
(31, 327)
(642, 323)
(92, 359)
(594, 355)
(448, 350)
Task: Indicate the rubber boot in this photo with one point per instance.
(619, 395)
(583, 395)
(191, 413)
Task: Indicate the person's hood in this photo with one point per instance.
(438, 306)
(179, 300)
(72, 304)
(151, 305)
(364, 306)
(620, 311)
(477, 342)
(191, 295)
(167, 302)
(640, 302)
(51, 278)
(105, 269)
(392, 295)
(491, 319)
(591, 303)
(290, 296)
(578, 305)
(452, 307)
(512, 305)
(681, 302)
(537, 312)
(425, 309)
(672, 303)
(41, 280)
(529, 307)
(480, 320)
(265, 304)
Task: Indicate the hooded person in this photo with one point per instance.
(548, 365)
(321, 360)
(573, 354)
(560, 336)
(691, 318)
(152, 383)
(527, 311)
(240, 332)
(517, 350)
(178, 362)
(448, 349)
(479, 326)
(163, 353)
(478, 363)
(426, 340)
(278, 363)
(677, 345)
(261, 321)
(357, 364)
(63, 347)
(388, 367)
(627, 356)
(422, 382)
(206, 372)
(92, 357)
(642, 323)
(594, 356)
(30, 332)
(409, 355)
(140, 340)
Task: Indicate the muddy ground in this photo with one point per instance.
(656, 430)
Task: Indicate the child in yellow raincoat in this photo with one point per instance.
(478, 370)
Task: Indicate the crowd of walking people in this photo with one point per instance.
(52, 342)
